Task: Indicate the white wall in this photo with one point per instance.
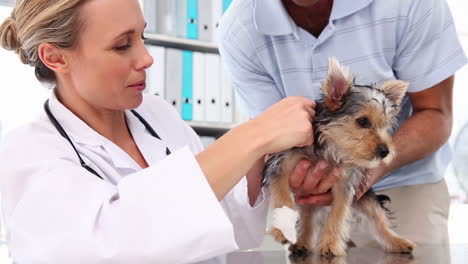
(460, 98)
(21, 95)
(459, 10)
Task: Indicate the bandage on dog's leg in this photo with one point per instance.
(284, 220)
(284, 215)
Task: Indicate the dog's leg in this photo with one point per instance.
(283, 203)
(281, 197)
(305, 232)
(335, 234)
(380, 226)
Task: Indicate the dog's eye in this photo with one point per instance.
(363, 122)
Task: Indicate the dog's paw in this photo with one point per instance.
(330, 248)
(401, 245)
(278, 236)
(299, 250)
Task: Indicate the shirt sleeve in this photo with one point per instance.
(255, 89)
(429, 50)
(249, 222)
(57, 212)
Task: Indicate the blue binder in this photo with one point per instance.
(187, 85)
(226, 4)
(192, 19)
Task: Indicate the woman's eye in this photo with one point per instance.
(123, 47)
(363, 122)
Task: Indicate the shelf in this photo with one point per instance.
(181, 43)
(210, 129)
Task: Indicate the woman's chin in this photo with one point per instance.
(134, 102)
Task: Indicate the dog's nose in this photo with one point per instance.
(382, 151)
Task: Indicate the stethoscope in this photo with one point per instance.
(64, 134)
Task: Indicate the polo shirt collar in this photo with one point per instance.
(271, 18)
(343, 8)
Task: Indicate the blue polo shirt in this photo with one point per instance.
(269, 57)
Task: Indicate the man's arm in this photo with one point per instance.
(424, 132)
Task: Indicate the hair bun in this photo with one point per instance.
(8, 37)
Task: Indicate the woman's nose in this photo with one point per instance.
(146, 60)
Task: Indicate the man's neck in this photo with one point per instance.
(312, 18)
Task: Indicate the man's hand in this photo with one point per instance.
(311, 184)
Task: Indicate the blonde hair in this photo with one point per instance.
(33, 22)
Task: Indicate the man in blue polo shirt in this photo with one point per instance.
(278, 48)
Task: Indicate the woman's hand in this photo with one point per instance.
(286, 124)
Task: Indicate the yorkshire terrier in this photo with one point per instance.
(351, 131)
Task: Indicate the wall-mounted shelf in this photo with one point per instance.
(181, 43)
(210, 129)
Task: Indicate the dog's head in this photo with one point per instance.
(355, 120)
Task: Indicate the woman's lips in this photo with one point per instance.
(140, 86)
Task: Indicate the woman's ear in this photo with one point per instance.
(53, 58)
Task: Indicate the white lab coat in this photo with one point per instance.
(57, 212)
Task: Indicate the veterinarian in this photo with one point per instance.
(90, 181)
(274, 49)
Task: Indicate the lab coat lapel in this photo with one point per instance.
(76, 128)
(152, 148)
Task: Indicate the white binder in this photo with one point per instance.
(216, 14)
(207, 141)
(199, 86)
(166, 17)
(149, 11)
(205, 20)
(227, 95)
(213, 88)
(239, 116)
(156, 74)
(181, 18)
(173, 88)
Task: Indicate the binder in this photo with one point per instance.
(198, 86)
(149, 11)
(155, 75)
(239, 116)
(227, 95)
(181, 18)
(187, 84)
(205, 20)
(166, 17)
(207, 141)
(213, 88)
(173, 88)
(192, 19)
(216, 14)
(226, 4)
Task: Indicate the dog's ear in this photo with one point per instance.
(336, 85)
(394, 90)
